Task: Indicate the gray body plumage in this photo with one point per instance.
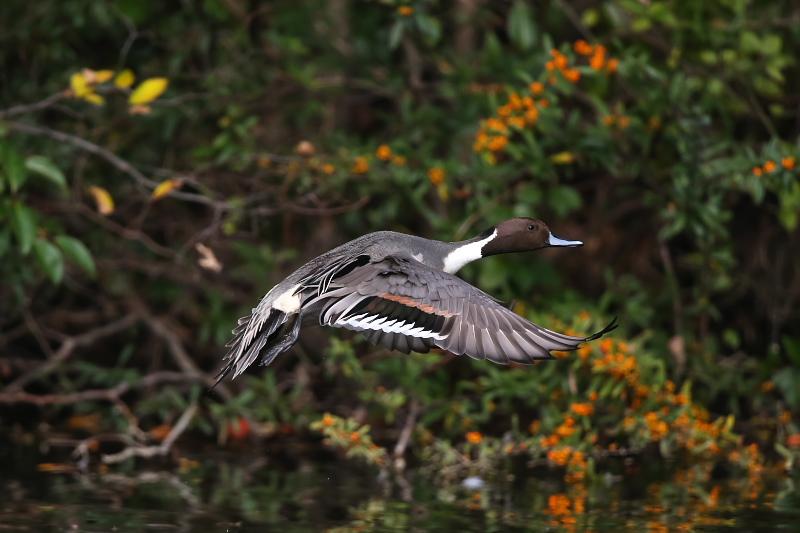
(399, 291)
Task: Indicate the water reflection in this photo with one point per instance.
(315, 491)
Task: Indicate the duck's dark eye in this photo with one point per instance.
(531, 227)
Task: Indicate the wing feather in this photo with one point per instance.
(405, 305)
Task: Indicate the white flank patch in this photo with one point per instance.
(288, 302)
(465, 254)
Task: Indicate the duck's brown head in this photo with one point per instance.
(521, 234)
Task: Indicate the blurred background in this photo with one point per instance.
(164, 164)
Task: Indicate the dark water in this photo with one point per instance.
(314, 490)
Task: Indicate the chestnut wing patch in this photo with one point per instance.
(397, 295)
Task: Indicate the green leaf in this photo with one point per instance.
(790, 204)
(46, 168)
(521, 27)
(23, 218)
(430, 27)
(591, 17)
(76, 251)
(396, 34)
(771, 45)
(749, 42)
(786, 380)
(12, 166)
(792, 347)
(564, 199)
(50, 259)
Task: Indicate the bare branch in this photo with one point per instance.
(118, 162)
(111, 395)
(30, 108)
(110, 225)
(174, 345)
(405, 436)
(161, 449)
(90, 147)
(68, 346)
(185, 362)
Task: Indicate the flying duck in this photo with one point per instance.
(400, 291)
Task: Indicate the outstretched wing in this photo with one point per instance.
(406, 305)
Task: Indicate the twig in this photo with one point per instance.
(91, 147)
(110, 225)
(29, 108)
(175, 346)
(761, 114)
(68, 346)
(118, 162)
(34, 328)
(576, 20)
(669, 269)
(151, 451)
(205, 233)
(325, 211)
(112, 395)
(186, 364)
(405, 436)
(50, 399)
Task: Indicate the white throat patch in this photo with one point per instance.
(465, 254)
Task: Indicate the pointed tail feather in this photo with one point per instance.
(612, 326)
(252, 335)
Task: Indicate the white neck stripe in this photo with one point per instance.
(465, 254)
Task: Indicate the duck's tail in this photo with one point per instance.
(267, 334)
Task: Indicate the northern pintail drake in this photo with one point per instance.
(400, 291)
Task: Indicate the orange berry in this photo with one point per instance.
(384, 152)
(787, 162)
(474, 437)
(572, 75)
(770, 166)
(537, 87)
(436, 175)
(582, 47)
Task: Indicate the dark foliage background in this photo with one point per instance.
(290, 127)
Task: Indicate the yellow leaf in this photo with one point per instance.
(102, 76)
(164, 188)
(562, 158)
(148, 91)
(207, 259)
(89, 75)
(94, 98)
(88, 422)
(124, 79)
(444, 194)
(79, 85)
(160, 432)
(139, 110)
(56, 468)
(105, 204)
